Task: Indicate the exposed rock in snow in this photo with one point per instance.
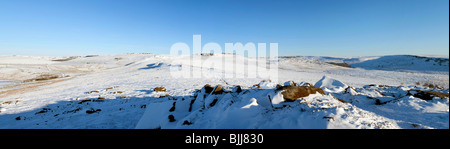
(291, 93)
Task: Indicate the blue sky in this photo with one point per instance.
(300, 27)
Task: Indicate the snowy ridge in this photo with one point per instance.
(254, 108)
(389, 62)
(405, 63)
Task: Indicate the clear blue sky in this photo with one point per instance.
(301, 27)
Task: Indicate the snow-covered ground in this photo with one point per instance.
(117, 91)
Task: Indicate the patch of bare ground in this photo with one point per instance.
(30, 87)
(429, 85)
(43, 77)
(65, 59)
(340, 64)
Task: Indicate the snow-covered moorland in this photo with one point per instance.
(138, 91)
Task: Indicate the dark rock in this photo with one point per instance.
(171, 118)
(378, 102)
(328, 117)
(190, 105)
(208, 88)
(90, 111)
(83, 101)
(238, 89)
(72, 111)
(173, 107)
(44, 110)
(187, 123)
(213, 103)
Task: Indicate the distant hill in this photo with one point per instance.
(400, 63)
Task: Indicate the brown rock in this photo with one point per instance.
(159, 89)
(94, 92)
(218, 89)
(291, 93)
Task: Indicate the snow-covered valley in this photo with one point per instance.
(139, 91)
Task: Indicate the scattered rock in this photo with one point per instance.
(117, 92)
(7, 102)
(207, 54)
(166, 95)
(427, 95)
(384, 86)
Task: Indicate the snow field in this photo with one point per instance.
(116, 91)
